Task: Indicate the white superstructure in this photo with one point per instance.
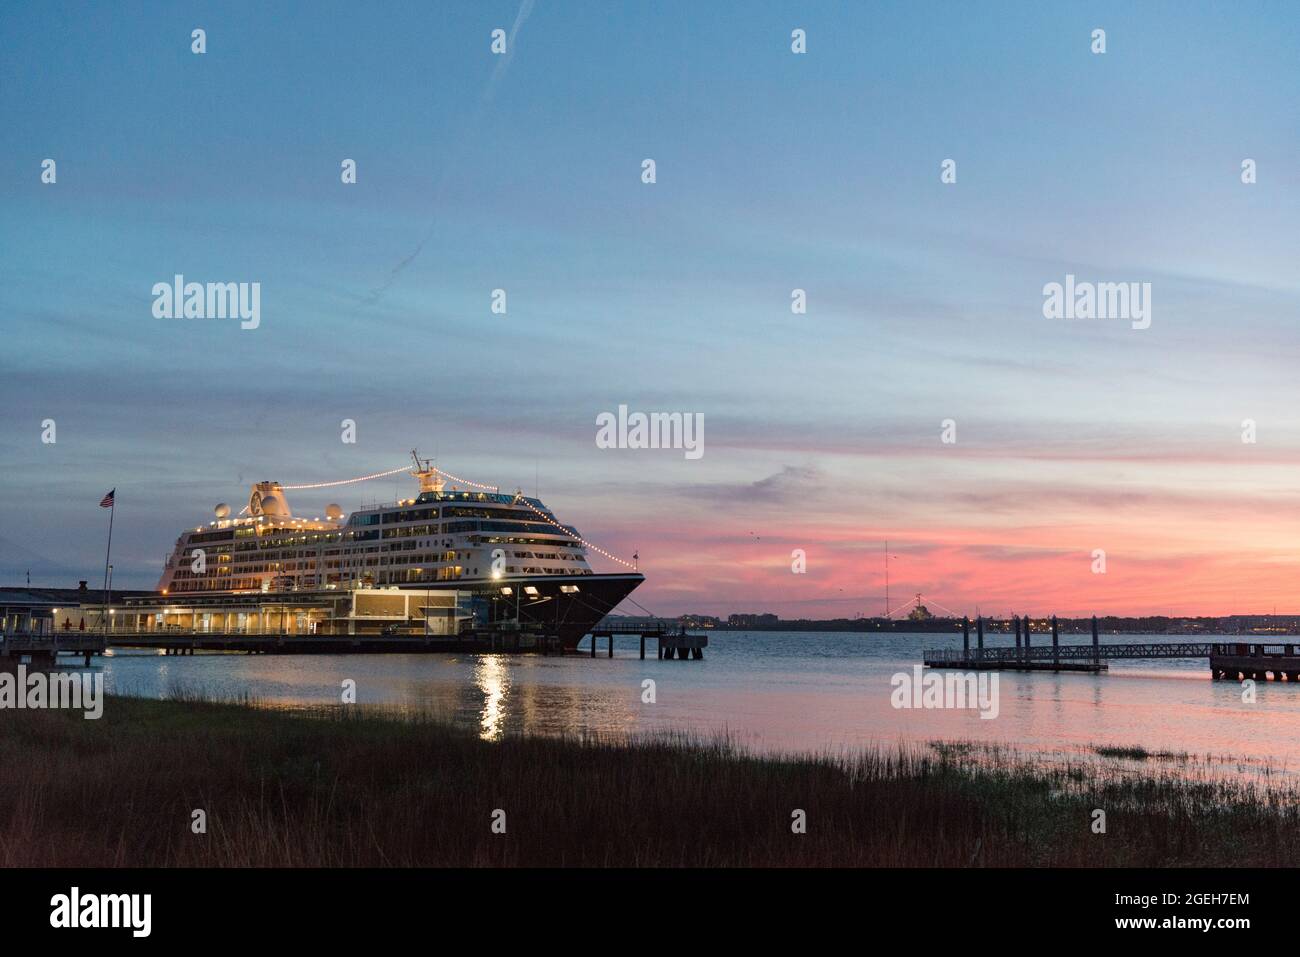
(440, 535)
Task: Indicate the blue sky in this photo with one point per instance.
(775, 171)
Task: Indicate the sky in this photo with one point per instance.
(774, 171)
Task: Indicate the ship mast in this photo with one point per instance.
(430, 478)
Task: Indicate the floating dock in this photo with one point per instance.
(1230, 660)
(1024, 656)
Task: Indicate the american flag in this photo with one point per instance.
(107, 500)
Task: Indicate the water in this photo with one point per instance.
(773, 691)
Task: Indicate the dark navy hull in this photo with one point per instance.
(569, 614)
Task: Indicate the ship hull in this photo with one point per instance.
(570, 615)
(562, 608)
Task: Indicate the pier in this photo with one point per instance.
(1230, 660)
(667, 640)
(1238, 661)
(44, 649)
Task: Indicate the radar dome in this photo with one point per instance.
(333, 512)
(222, 510)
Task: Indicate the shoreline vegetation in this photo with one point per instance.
(355, 787)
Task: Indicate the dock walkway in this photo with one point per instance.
(1231, 660)
(45, 648)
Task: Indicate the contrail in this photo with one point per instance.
(498, 72)
(503, 64)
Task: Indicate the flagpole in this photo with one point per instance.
(108, 552)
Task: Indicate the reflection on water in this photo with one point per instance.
(493, 681)
(770, 691)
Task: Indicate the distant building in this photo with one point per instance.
(43, 611)
(629, 621)
(699, 621)
(753, 621)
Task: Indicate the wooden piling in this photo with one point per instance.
(1027, 636)
(1056, 644)
(643, 647)
(965, 634)
(1096, 641)
(611, 644)
(979, 634)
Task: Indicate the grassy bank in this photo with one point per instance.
(350, 788)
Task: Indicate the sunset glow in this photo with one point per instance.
(924, 301)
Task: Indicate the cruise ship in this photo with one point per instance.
(445, 561)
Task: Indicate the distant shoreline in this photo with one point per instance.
(1229, 627)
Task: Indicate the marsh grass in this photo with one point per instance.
(352, 787)
(1138, 753)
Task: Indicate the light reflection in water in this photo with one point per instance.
(493, 681)
(770, 691)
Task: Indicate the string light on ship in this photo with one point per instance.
(360, 478)
(477, 485)
(595, 548)
(448, 475)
